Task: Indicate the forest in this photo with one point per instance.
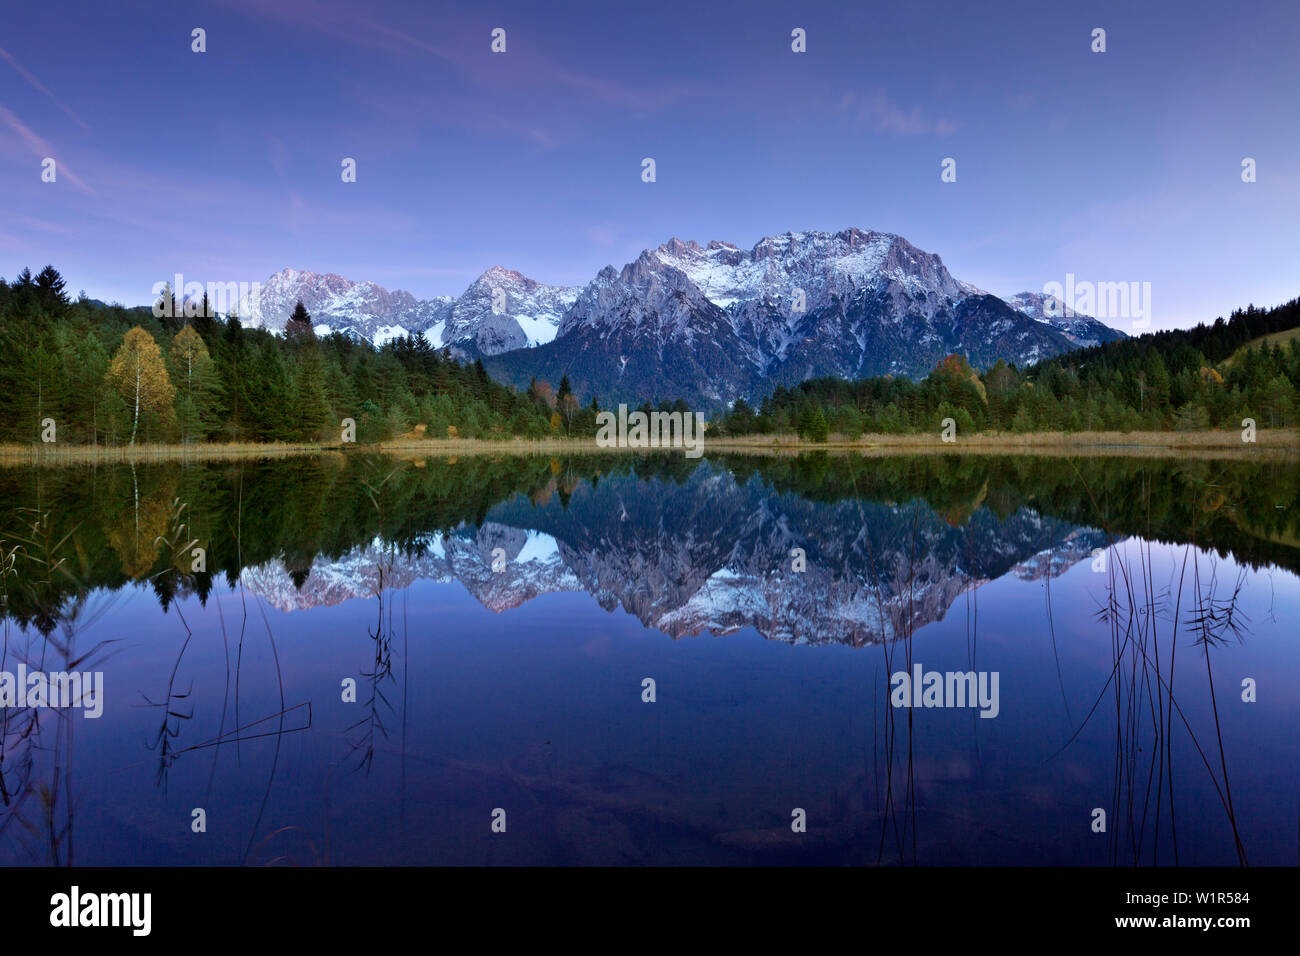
(110, 375)
(1210, 376)
(87, 373)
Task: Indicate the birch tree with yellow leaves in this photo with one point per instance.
(139, 375)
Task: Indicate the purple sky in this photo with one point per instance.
(224, 166)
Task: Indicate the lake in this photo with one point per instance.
(621, 659)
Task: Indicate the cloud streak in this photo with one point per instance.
(41, 148)
(874, 108)
(40, 87)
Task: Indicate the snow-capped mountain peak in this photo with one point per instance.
(713, 322)
(1082, 330)
(504, 310)
(501, 310)
(706, 322)
(364, 309)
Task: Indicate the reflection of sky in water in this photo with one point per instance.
(484, 705)
(538, 710)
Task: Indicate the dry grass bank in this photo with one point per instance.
(38, 454)
(1272, 443)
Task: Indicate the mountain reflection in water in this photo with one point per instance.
(497, 618)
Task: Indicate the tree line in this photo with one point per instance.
(110, 375)
(1190, 379)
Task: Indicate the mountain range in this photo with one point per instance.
(709, 554)
(707, 323)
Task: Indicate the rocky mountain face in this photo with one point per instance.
(1080, 329)
(709, 323)
(361, 309)
(714, 323)
(533, 567)
(501, 310)
(711, 554)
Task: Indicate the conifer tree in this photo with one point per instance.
(166, 306)
(198, 387)
(41, 387)
(85, 364)
(818, 428)
(50, 291)
(299, 328)
(311, 411)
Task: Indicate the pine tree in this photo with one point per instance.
(268, 395)
(166, 305)
(41, 387)
(311, 411)
(818, 428)
(232, 357)
(85, 364)
(50, 291)
(1023, 421)
(1155, 377)
(299, 327)
(1278, 402)
(198, 403)
(804, 423)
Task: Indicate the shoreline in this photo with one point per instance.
(1273, 444)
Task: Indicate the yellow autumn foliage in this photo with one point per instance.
(139, 375)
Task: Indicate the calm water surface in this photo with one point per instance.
(499, 618)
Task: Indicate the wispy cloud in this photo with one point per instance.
(509, 88)
(601, 235)
(40, 87)
(876, 109)
(41, 148)
(42, 225)
(360, 26)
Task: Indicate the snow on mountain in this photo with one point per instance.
(711, 323)
(768, 277)
(711, 554)
(362, 309)
(823, 265)
(387, 333)
(533, 567)
(501, 310)
(1082, 330)
(708, 323)
(504, 310)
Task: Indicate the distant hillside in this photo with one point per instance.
(1244, 367)
(1215, 343)
(1273, 338)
